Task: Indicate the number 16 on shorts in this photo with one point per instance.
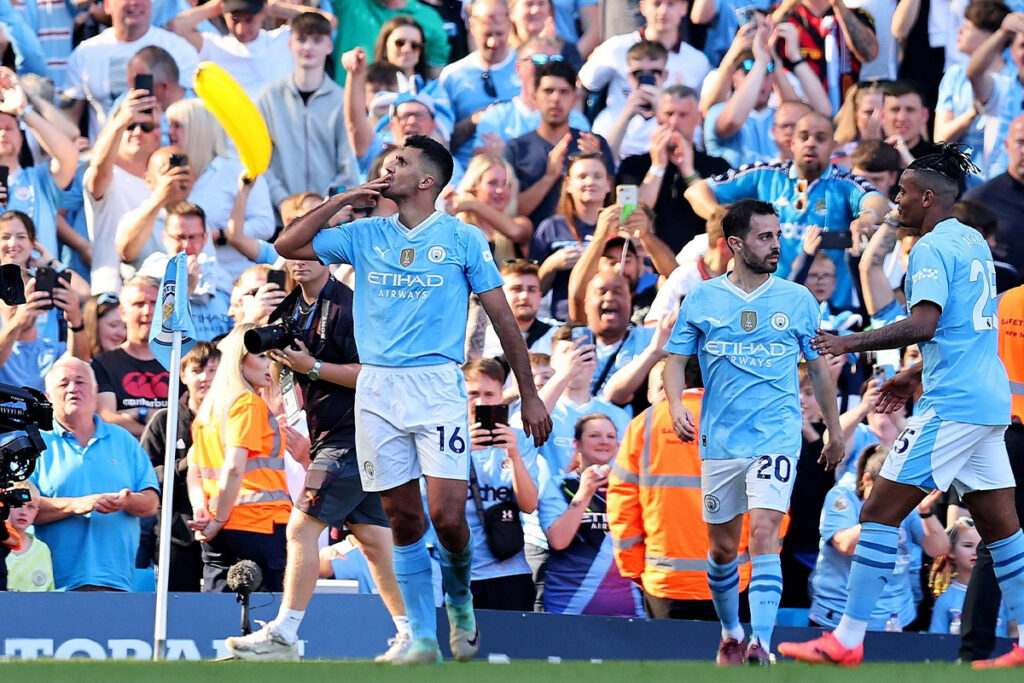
(732, 487)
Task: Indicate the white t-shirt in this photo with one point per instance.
(125, 193)
(264, 60)
(607, 66)
(637, 139)
(97, 69)
(679, 283)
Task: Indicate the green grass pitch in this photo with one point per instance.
(82, 671)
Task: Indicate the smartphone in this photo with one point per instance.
(490, 416)
(626, 197)
(746, 15)
(584, 333)
(47, 279)
(144, 82)
(177, 160)
(4, 172)
(277, 277)
(836, 239)
(335, 189)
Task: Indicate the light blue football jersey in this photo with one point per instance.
(749, 346)
(964, 380)
(413, 285)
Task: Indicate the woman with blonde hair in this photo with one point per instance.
(860, 118)
(236, 476)
(215, 167)
(488, 197)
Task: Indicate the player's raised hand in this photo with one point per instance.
(829, 343)
(897, 390)
(832, 453)
(682, 421)
(364, 195)
(536, 421)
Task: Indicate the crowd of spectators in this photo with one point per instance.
(546, 106)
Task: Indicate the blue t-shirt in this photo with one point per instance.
(465, 84)
(1004, 105)
(832, 201)
(33, 191)
(748, 346)
(583, 577)
(511, 119)
(832, 570)
(30, 361)
(413, 285)
(95, 548)
(751, 143)
(952, 266)
(722, 29)
(949, 607)
(637, 339)
(567, 16)
(557, 450)
(494, 474)
(957, 96)
(553, 234)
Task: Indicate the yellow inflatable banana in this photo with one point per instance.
(235, 111)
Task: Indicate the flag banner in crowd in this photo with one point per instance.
(172, 312)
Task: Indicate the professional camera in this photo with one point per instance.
(276, 336)
(22, 412)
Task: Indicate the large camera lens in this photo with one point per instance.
(263, 339)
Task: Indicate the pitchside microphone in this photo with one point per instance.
(243, 578)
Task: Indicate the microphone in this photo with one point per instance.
(243, 578)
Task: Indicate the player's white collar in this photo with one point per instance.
(410, 233)
(745, 295)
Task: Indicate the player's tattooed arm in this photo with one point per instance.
(919, 327)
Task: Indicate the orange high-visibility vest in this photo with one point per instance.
(654, 508)
(1011, 346)
(263, 498)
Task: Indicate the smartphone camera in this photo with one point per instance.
(489, 416)
(177, 160)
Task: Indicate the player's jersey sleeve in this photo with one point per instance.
(839, 512)
(481, 272)
(335, 245)
(734, 185)
(809, 321)
(683, 340)
(928, 276)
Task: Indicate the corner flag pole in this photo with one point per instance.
(167, 504)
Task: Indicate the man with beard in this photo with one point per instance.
(414, 270)
(748, 330)
(806, 191)
(522, 289)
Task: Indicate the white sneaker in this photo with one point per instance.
(464, 637)
(265, 644)
(422, 651)
(398, 647)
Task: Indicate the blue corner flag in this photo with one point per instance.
(172, 312)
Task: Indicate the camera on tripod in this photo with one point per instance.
(23, 411)
(276, 336)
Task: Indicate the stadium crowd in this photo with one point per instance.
(110, 165)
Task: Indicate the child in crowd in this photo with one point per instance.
(30, 568)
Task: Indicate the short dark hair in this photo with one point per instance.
(160, 63)
(182, 209)
(310, 24)
(680, 92)
(902, 87)
(556, 70)
(14, 214)
(876, 156)
(383, 73)
(986, 15)
(200, 354)
(978, 216)
(587, 419)
(647, 49)
(436, 155)
(486, 367)
(738, 215)
(520, 266)
(944, 172)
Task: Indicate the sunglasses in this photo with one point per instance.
(748, 64)
(488, 84)
(414, 45)
(515, 261)
(146, 126)
(542, 59)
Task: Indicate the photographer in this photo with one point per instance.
(324, 364)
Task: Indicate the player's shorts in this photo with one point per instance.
(411, 421)
(933, 453)
(731, 487)
(333, 492)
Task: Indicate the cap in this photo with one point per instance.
(618, 241)
(421, 97)
(251, 6)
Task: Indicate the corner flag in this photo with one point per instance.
(173, 313)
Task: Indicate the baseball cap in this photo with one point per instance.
(421, 97)
(251, 6)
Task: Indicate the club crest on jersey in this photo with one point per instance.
(711, 503)
(780, 321)
(436, 254)
(748, 320)
(368, 469)
(407, 257)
